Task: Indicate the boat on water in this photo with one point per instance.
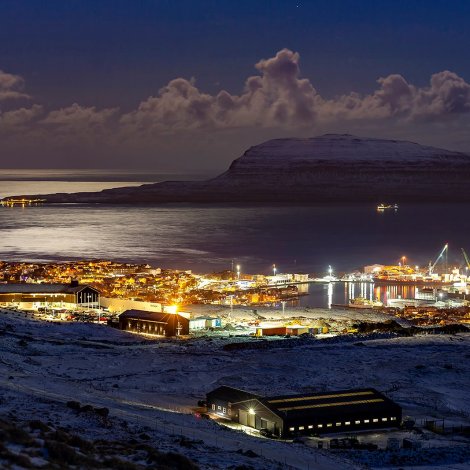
(383, 207)
(360, 303)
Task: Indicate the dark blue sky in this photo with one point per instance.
(112, 56)
(114, 52)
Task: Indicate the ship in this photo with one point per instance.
(382, 207)
(360, 303)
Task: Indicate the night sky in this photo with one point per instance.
(184, 85)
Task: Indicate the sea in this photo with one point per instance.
(214, 237)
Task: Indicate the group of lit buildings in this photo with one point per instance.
(142, 282)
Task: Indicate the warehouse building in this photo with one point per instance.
(293, 330)
(314, 413)
(30, 296)
(204, 323)
(155, 323)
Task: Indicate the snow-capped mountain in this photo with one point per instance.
(328, 168)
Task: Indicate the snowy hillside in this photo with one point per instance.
(330, 148)
(149, 388)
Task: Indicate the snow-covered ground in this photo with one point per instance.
(154, 384)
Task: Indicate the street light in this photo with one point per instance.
(238, 271)
(274, 269)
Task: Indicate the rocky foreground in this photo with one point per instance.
(329, 168)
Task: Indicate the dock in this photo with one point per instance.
(21, 202)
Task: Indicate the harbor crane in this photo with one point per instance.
(441, 254)
(466, 258)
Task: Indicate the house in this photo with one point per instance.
(312, 413)
(155, 323)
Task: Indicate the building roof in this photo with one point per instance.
(328, 403)
(29, 288)
(161, 317)
(232, 395)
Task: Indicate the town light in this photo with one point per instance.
(238, 271)
(251, 411)
(172, 309)
(274, 269)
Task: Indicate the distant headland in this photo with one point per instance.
(328, 168)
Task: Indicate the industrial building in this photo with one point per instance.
(293, 330)
(313, 413)
(155, 323)
(31, 296)
(204, 323)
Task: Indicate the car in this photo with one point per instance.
(265, 432)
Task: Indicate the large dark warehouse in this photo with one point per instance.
(319, 413)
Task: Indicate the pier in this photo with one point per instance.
(21, 202)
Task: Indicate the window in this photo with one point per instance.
(393, 418)
(213, 406)
(375, 420)
(291, 429)
(320, 425)
(367, 421)
(310, 426)
(338, 424)
(301, 428)
(219, 407)
(329, 425)
(347, 423)
(384, 419)
(358, 421)
(223, 410)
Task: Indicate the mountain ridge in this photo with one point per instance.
(327, 168)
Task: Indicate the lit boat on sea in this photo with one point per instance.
(383, 207)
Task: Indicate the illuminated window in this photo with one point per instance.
(393, 418)
(219, 407)
(375, 420)
(329, 425)
(357, 421)
(320, 425)
(338, 424)
(291, 429)
(310, 426)
(213, 407)
(384, 419)
(366, 421)
(347, 423)
(301, 428)
(223, 410)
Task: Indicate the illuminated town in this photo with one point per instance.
(434, 296)
(234, 235)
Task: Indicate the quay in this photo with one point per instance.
(21, 202)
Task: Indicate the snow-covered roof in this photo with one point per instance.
(18, 288)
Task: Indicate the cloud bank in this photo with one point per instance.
(276, 98)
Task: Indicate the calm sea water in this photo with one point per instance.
(207, 238)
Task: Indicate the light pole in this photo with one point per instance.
(330, 271)
(274, 269)
(238, 271)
